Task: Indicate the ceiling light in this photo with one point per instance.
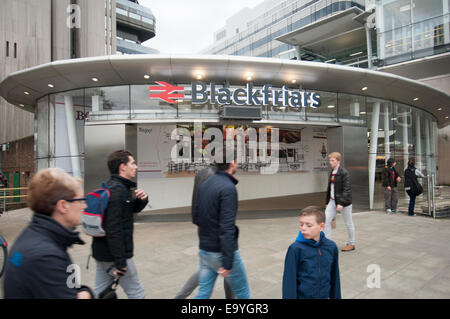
(50, 85)
(294, 81)
(357, 53)
(416, 99)
(362, 112)
(95, 79)
(332, 60)
(440, 109)
(21, 105)
(446, 117)
(146, 76)
(249, 78)
(364, 88)
(331, 106)
(199, 76)
(26, 93)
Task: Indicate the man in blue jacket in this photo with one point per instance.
(311, 267)
(215, 214)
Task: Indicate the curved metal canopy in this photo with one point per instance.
(27, 86)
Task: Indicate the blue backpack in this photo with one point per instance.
(97, 203)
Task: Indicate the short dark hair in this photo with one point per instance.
(411, 162)
(225, 165)
(116, 158)
(314, 211)
(390, 162)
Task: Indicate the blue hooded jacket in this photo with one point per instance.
(38, 263)
(311, 269)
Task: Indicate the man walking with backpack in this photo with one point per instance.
(113, 252)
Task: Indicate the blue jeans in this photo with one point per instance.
(412, 203)
(210, 262)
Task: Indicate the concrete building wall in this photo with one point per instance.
(60, 31)
(38, 32)
(25, 26)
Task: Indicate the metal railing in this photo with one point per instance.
(431, 182)
(438, 198)
(7, 199)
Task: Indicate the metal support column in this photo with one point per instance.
(386, 118)
(373, 151)
(72, 135)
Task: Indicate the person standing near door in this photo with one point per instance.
(390, 180)
(339, 199)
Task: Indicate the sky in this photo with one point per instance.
(188, 26)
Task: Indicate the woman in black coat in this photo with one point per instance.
(412, 186)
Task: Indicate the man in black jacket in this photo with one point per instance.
(215, 214)
(339, 199)
(193, 281)
(390, 180)
(113, 253)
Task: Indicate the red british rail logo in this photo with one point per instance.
(166, 92)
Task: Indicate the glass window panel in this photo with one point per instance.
(403, 134)
(42, 117)
(135, 16)
(143, 106)
(427, 35)
(423, 10)
(383, 124)
(108, 103)
(147, 20)
(351, 109)
(326, 111)
(396, 14)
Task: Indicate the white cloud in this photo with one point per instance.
(186, 27)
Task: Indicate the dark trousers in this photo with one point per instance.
(412, 203)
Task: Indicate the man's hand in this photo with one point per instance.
(119, 272)
(84, 295)
(339, 208)
(224, 272)
(140, 194)
(399, 179)
(389, 188)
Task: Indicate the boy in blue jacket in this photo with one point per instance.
(311, 268)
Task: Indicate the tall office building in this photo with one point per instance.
(38, 32)
(135, 25)
(309, 30)
(410, 38)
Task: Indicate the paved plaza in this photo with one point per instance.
(412, 253)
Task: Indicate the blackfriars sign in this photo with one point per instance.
(248, 95)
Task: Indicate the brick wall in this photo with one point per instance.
(19, 158)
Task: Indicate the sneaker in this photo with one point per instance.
(389, 211)
(394, 211)
(413, 215)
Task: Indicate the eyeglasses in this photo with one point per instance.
(83, 199)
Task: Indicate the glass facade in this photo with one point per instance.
(258, 39)
(408, 29)
(402, 130)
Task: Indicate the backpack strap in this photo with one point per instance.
(124, 190)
